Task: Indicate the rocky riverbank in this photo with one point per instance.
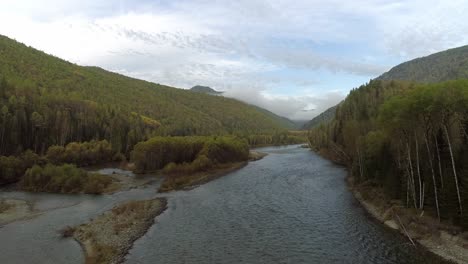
(442, 239)
(109, 237)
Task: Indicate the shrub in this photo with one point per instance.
(83, 154)
(187, 154)
(63, 179)
(13, 168)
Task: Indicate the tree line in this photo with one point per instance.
(37, 119)
(277, 138)
(187, 154)
(13, 168)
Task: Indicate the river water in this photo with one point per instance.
(290, 207)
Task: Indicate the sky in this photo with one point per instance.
(295, 58)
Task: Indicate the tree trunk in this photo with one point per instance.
(361, 170)
(407, 187)
(4, 124)
(419, 172)
(463, 128)
(423, 196)
(440, 164)
(453, 167)
(433, 176)
(410, 164)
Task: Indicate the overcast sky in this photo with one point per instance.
(295, 58)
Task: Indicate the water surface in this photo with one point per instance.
(290, 207)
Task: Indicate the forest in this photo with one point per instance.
(408, 139)
(54, 113)
(48, 101)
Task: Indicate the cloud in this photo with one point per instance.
(282, 55)
(303, 107)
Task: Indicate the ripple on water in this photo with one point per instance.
(290, 207)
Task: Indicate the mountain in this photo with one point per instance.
(46, 101)
(442, 66)
(404, 137)
(324, 117)
(285, 122)
(204, 89)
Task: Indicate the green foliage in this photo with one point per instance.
(277, 138)
(63, 179)
(46, 101)
(13, 168)
(443, 66)
(406, 138)
(187, 154)
(83, 154)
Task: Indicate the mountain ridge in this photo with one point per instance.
(441, 66)
(25, 65)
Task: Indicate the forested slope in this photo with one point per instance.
(442, 66)
(47, 101)
(447, 65)
(323, 118)
(408, 139)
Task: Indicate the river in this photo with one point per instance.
(290, 207)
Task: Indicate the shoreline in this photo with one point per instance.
(189, 182)
(450, 247)
(109, 237)
(200, 178)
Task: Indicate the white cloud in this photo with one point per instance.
(248, 47)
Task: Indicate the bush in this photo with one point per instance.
(13, 168)
(83, 154)
(63, 179)
(187, 154)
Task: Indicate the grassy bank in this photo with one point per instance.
(419, 227)
(109, 237)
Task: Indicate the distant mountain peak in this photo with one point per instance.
(204, 89)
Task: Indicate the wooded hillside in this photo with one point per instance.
(409, 139)
(47, 101)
